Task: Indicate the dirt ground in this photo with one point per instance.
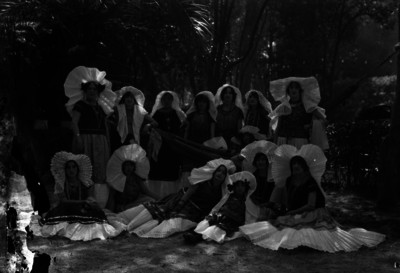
(128, 253)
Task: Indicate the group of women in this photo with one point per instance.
(268, 192)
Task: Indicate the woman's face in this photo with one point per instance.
(297, 168)
(202, 105)
(261, 162)
(71, 169)
(91, 92)
(294, 93)
(129, 100)
(240, 188)
(166, 101)
(128, 168)
(220, 174)
(253, 101)
(228, 95)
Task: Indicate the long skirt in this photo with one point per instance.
(96, 147)
(158, 219)
(315, 229)
(78, 222)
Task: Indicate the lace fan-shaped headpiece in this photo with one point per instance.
(255, 131)
(238, 101)
(133, 152)
(206, 172)
(175, 104)
(311, 94)
(249, 152)
(139, 96)
(82, 74)
(57, 168)
(261, 98)
(314, 156)
(211, 109)
(217, 143)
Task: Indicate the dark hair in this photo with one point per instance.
(254, 94)
(167, 95)
(126, 162)
(127, 95)
(99, 87)
(226, 170)
(294, 84)
(231, 187)
(301, 161)
(258, 156)
(223, 92)
(200, 98)
(73, 161)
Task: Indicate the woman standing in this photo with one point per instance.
(228, 101)
(298, 117)
(130, 115)
(257, 109)
(91, 100)
(201, 118)
(164, 162)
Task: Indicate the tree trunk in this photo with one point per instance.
(389, 190)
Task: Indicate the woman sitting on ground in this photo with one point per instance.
(229, 214)
(127, 168)
(74, 212)
(183, 210)
(299, 205)
(257, 157)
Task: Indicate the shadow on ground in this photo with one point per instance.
(128, 253)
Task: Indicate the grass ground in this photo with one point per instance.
(128, 253)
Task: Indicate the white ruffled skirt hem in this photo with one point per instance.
(266, 235)
(79, 231)
(166, 228)
(214, 233)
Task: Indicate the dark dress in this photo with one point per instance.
(298, 195)
(258, 118)
(92, 127)
(196, 208)
(263, 191)
(80, 212)
(230, 216)
(227, 123)
(292, 126)
(167, 165)
(92, 119)
(200, 126)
